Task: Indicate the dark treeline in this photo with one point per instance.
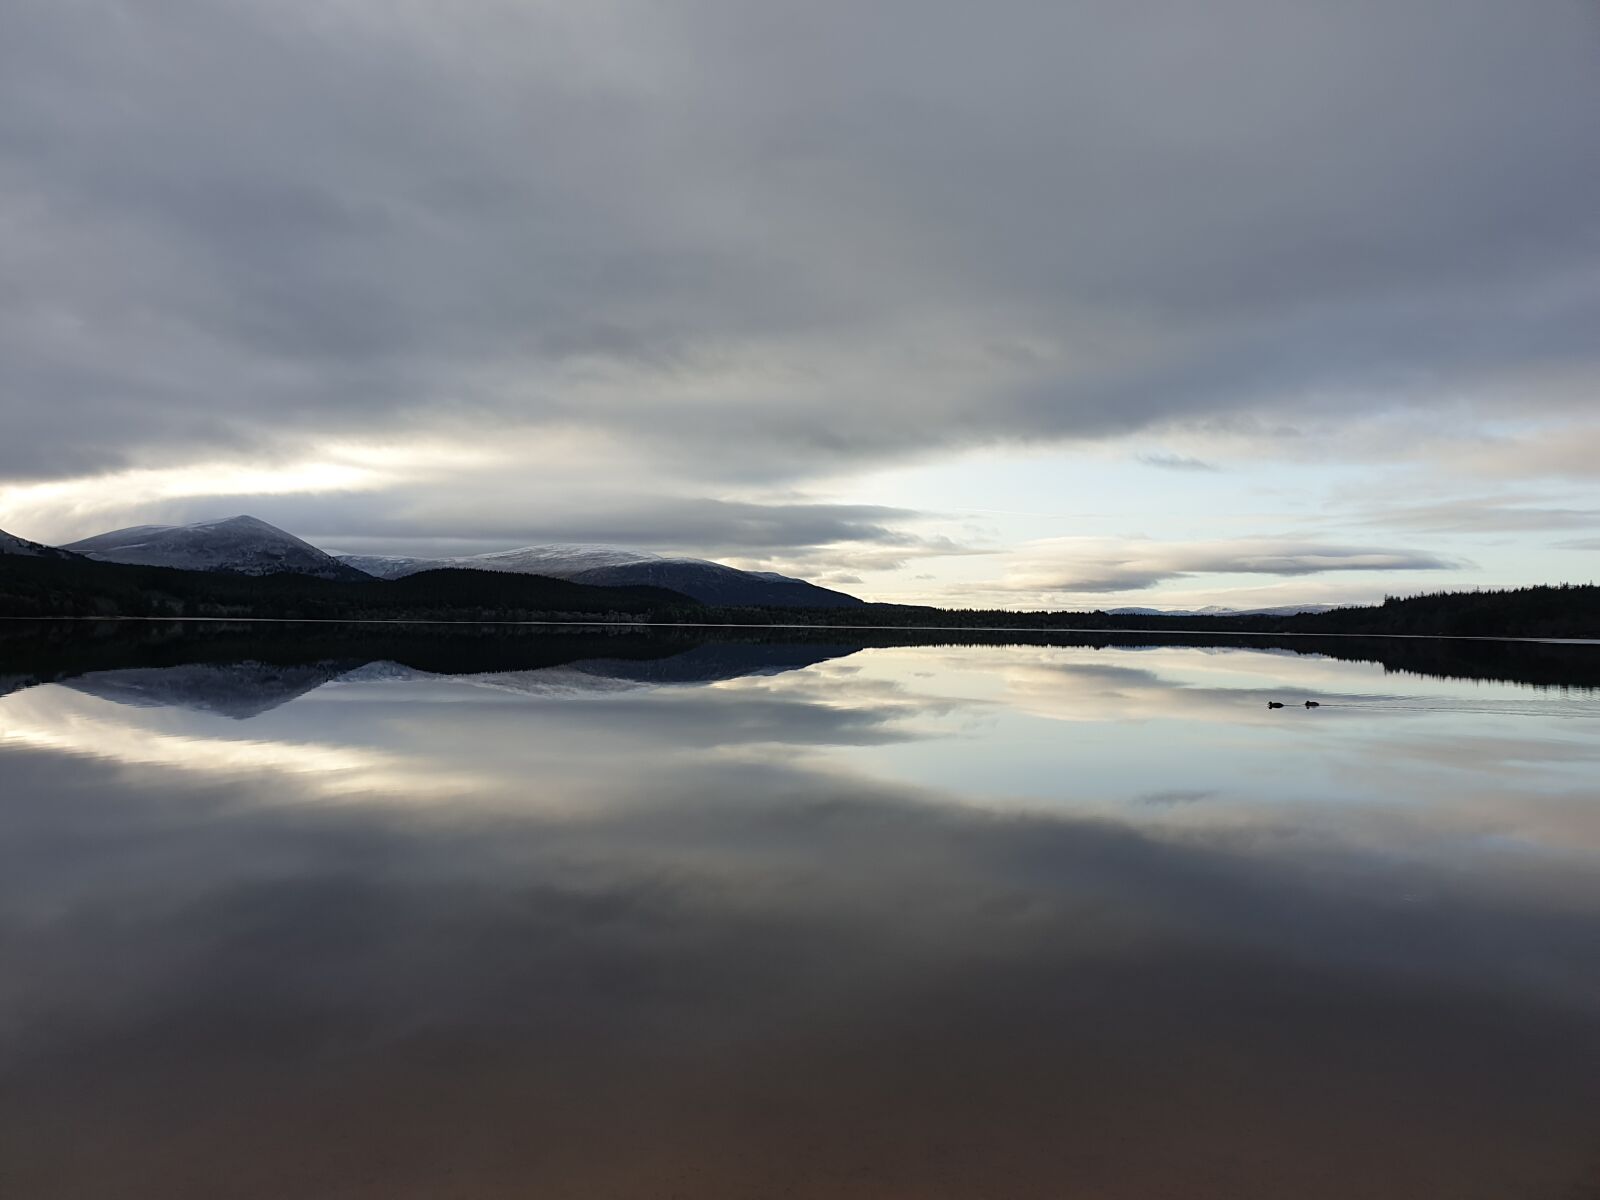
(41, 587)
(1559, 611)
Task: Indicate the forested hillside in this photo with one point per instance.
(80, 588)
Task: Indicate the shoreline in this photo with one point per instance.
(1024, 629)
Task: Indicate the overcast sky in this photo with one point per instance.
(1028, 303)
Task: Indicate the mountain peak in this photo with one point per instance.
(243, 544)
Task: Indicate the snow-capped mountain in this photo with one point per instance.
(244, 545)
(10, 543)
(611, 566)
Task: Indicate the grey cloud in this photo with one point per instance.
(760, 239)
(856, 558)
(1508, 515)
(1176, 462)
(1176, 796)
(1568, 450)
(1089, 565)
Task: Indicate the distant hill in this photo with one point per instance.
(10, 543)
(464, 589)
(244, 545)
(612, 566)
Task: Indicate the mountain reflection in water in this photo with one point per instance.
(385, 912)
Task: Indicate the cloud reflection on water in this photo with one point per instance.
(729, 939)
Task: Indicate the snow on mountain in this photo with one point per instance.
(554, 562)
(10, 543)
(569, 559)
(393, 566)
(244, 545)
(612, 566)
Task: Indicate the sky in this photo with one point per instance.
(1034, 303)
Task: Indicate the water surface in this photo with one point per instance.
(330, 912)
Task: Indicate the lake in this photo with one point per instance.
(426, 912)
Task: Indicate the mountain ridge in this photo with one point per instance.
(614, 566)
(247, 545)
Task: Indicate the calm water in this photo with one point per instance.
(319, 912)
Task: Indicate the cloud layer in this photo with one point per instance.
(767, 236)
(590, 271)
(1102, 565)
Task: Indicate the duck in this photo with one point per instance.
(1313, 704)
(1274, 703)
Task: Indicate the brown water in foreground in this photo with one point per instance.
(727, 920)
